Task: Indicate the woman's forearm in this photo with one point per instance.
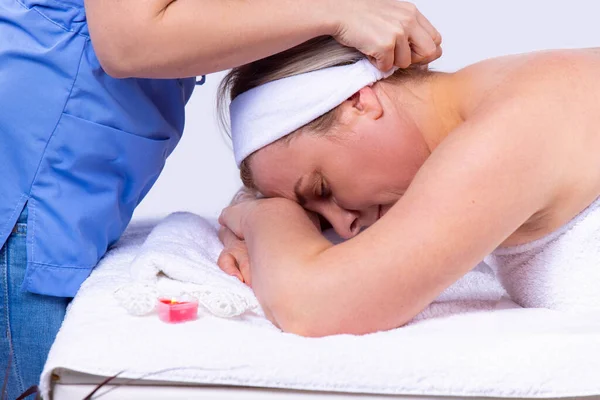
(166, 38)
(311, 287)
(283, 244)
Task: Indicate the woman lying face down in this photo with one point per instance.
(442, 168)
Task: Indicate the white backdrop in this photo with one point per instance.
(201, 176)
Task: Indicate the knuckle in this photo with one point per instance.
(399, 32)
(411, 9)
(404, 64)
(408, 21)
(389, 47)
(430, 52)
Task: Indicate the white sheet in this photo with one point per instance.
(490, 348)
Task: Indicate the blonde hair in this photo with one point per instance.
(313, 55)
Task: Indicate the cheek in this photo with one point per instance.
(413, 155)
(411, 150)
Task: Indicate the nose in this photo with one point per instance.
(346, 223)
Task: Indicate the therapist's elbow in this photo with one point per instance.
(121, 50)
(117, 61)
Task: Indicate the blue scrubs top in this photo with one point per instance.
(79, 148)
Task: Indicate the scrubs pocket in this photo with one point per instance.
(90, 180)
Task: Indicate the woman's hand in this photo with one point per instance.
(236, 217)
(390, 32)
(234, 257)
(233, 260)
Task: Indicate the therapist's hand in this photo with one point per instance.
(390, 32)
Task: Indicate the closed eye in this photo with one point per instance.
(322, 191)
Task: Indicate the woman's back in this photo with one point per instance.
(561, 88)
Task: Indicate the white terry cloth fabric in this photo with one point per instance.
(560, 271)
(271, 111)
(185, 248)
(471, 344)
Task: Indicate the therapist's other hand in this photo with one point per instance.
(234, 259)
(390, 32)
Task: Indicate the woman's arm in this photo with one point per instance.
(179, 38)
(484, 181)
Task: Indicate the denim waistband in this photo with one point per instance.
(21, 225)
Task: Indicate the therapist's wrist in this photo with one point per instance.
(322, 16)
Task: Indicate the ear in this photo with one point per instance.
(364, 103)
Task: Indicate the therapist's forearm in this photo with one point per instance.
(166, 39)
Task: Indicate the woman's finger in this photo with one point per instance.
(230, 218)
(228, 238)
(244, 268)
(228, 264)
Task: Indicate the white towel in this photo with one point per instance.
(271, 111)
(504, 352)
(560, 271)
(185, 248)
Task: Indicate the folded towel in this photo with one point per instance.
(185, 247)
(560, 271)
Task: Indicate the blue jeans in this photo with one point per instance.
(30, 322)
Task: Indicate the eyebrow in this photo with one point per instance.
(299, 196)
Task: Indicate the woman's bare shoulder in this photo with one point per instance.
(549, 103)
(548, 74)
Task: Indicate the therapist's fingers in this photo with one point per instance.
(430, 29)
(425, 62)
(422, 45)
(383, 29)
(402, 54)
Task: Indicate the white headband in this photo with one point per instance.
(271, 111)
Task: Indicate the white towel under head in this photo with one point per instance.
(184, 247)
(271, 111)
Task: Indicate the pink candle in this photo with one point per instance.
(176, 310)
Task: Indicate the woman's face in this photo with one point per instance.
(351, 176)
